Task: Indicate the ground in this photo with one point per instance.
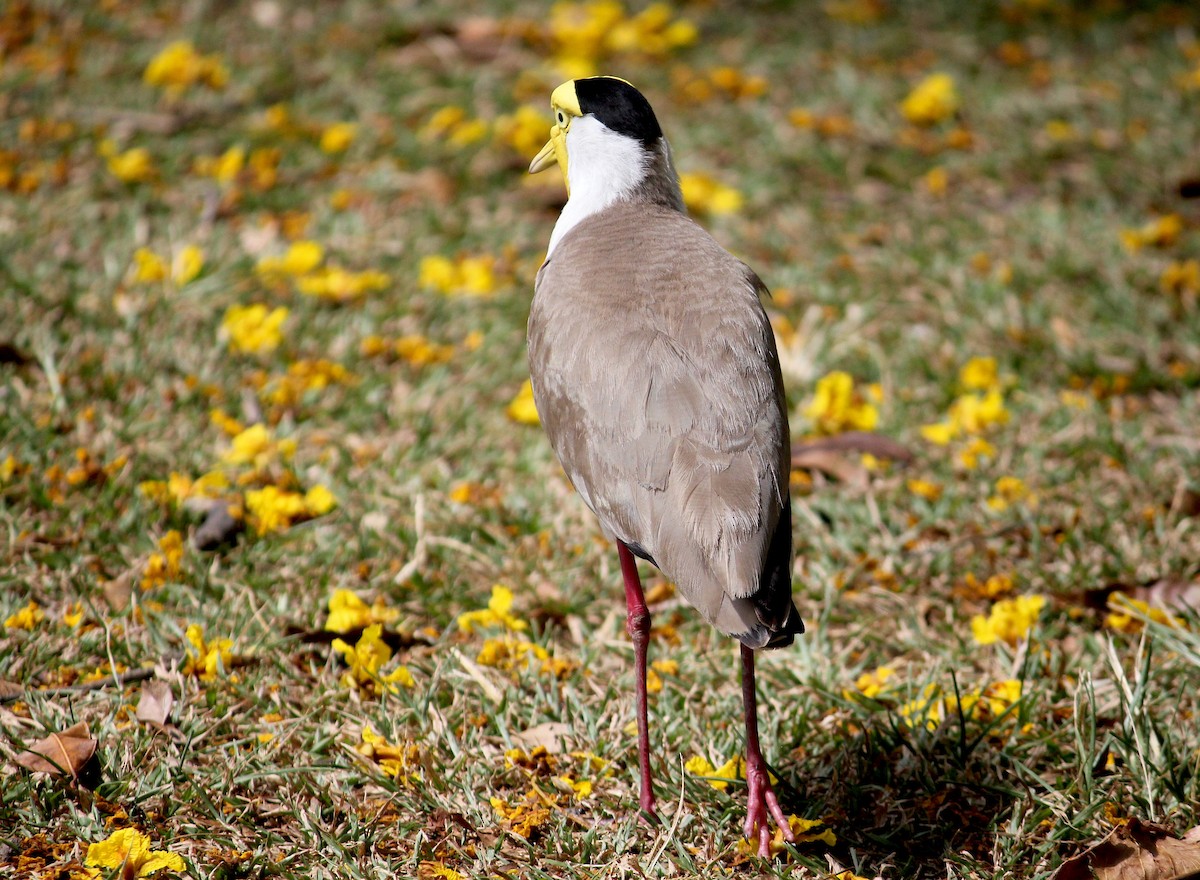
(264, 276)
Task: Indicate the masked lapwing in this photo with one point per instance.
(656, 376)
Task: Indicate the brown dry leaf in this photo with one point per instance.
(154, 705)
(841, 467)
(867, 442)
(1170, 593)
(1137, 850)
(118, 590)
(65, 752)
(839, 456)
(550, 735)
(10, 690)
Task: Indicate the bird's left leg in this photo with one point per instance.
(637, 623)
(762, 805)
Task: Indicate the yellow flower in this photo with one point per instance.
(498, 613)
(979, 374)
(936, 181)
(420, 352)
(1009, 491)
(339, 285)
(255, 446)
(338, 137)
(224, 168)
(429, 870)
(706, 195)
(164, 565)
(135, 165)
(26, 618)
(367, 658)
(128, 851)
(977, 448)
(524, 131)
(300, 258)
(400, 762)
(187, 265)
(522, 409)
(179, 66)
(468, 276)
(971, 413)
(975, 414)
(149, 267)
(348, 612)
(178, 488)
(73, 616)
(926, 489)
(505, 653)
(1008, 621)
(1127, 614)
(318, 500)
(582, 34)
(871, 684)
(1181, 278)
(734, 768)
(273, 509)
(526, 817)
(803, 830)
(227, 423)
(582, 788)
(997, 698)
(206, 659)
(934, 99)
(1160, 232)
(926, 710)
(451, 124)
(253, 329)
(940, 433)
(837, 406)
(303, 376)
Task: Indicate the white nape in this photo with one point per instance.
(602, 166)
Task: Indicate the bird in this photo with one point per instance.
(657, 380)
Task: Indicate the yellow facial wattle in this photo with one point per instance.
(565, 104)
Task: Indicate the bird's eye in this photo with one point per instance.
(562, 118)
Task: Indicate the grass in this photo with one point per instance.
(1075, 124)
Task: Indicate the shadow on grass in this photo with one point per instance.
(908, 800)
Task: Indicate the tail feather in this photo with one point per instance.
(779, 620)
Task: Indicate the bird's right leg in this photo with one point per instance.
(637, 624)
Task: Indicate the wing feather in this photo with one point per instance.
(661, 396)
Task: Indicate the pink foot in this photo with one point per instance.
(762, 807)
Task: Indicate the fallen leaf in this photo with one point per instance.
(65, 752)
(220, 528)
(550, 735)
(1168, 594)
(835, 464)
(118, 590)
(154, 705)
(1137, 850)
(10, 690)
(867, 442)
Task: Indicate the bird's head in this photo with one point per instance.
(605, 135)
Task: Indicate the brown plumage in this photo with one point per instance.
(655, 372)
(656, 377)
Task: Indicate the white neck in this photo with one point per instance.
(602, 166)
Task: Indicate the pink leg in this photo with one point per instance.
(762, 805)
(637, 623)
